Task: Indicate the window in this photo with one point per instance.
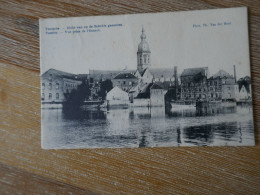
(43, 96)
(50, 96)
(124, 82)
(50, 86)
(50, 77)
(144, 56)
(57, 96)
(57, 85)
(43, 85)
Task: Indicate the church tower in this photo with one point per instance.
(143, 54)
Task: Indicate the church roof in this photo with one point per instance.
(194, 71)
(125, 76)
(162, 72)
(106, 74)
(142, 73)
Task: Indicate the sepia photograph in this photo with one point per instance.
(146, 80)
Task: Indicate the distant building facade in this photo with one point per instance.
(125, 81)
(221, 86)
(54, 84)
(195, 85)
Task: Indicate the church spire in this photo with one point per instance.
(143, 36)
(143, 53)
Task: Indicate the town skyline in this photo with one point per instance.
(172, 44)
(146, 80)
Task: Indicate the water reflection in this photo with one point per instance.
(147, 127)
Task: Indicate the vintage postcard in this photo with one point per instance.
(146, 80)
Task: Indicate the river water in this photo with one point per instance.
(147, 127)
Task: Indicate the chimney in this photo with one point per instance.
(175, 76)
(176, 81)
(235, 75)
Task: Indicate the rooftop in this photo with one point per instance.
(194, 71)
(221, 74)
(156, 86)
(60, 74)
(125, 75)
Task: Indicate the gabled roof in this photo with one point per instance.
(194, 71)
(117, 90)
(156, 86)
(124, 75)
(137, 72)
(142, 73)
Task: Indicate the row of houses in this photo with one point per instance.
(196, 84)
(147, 86)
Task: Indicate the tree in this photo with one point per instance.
(77, 96)
(105, 87)
(246, 81)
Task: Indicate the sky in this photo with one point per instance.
(175, 39)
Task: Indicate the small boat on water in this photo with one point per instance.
(92, 104)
